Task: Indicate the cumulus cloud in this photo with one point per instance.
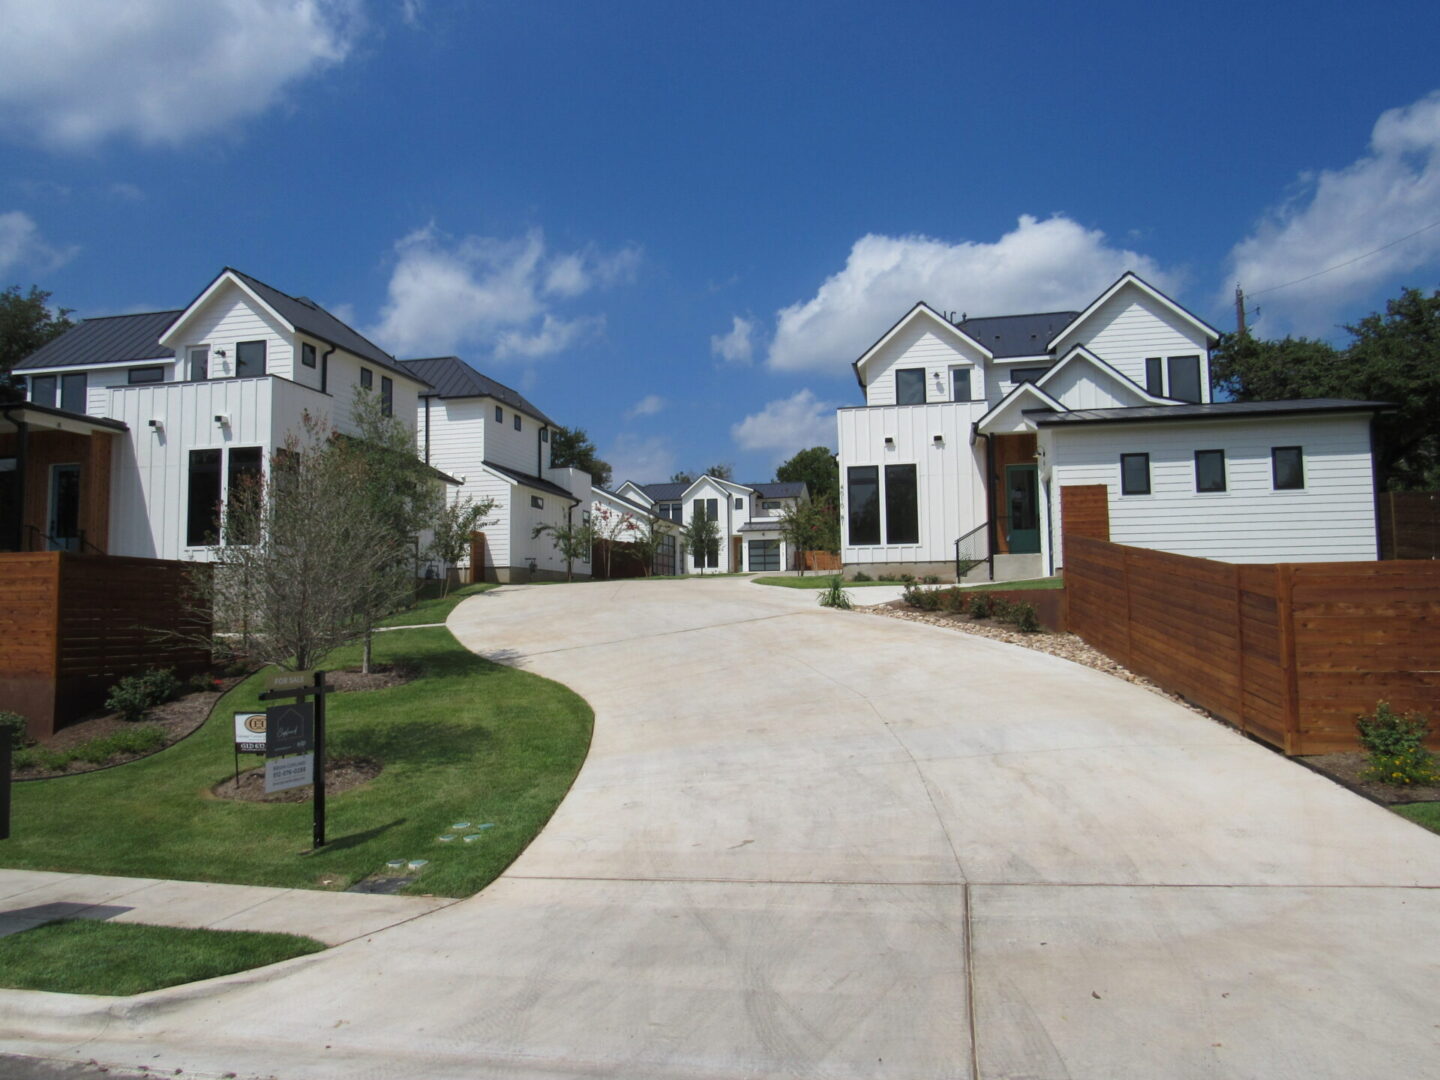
(21, 245)
(649, 405)
(1341, 215)
(1047, 265)
(646, 461)
(491, 293)
(788, 425)
(735, 347)
(75, 73)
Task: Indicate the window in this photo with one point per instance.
(863, 497)
(197, 364)
(387, 396)
(517, 421)
(42, 389)
(960, 385)
(585, 517)
(902, 514)
(544, 434)
(1287, 467)
(537, 503)
(670, 511)
(709, 508)
(739, 504)
(1154, 376)
(242, 477)
(1209, 470)
(910, 386)
(203, 502)
(367, 378)
(72, 392)
(1026, 374)
(1184, 378)
(1135, 474)
(770, 504)
(499, 415)
(307, 354)
(139, 375)
(249, 359)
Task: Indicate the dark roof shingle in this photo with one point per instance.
(1017, 335)
(454, 378)
(1218, 410)
(109, 339)
(536, 482)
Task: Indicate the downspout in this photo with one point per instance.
(325, 370)
(22, 442)
(989, 499)
(427, 429)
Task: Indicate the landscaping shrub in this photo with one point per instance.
(884, 577)
(135, 695)
(953, 600)
(931, 579)
(14, 723)
(138, 740)
(1025, 620)
(1395, 742)
(834, 595)
(981, 606)
(1001, 609)
(860, 575)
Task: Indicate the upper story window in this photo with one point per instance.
(705, 508)
(770, 504)
(739, 504)
(517, 421)
(1184, 372)
(1209, 470)
(499, 415)
(1026, 374)
(71, 391)
(1287, 468)
(544, 434)
(42, 389)
(1135, 474)
(249, 359)
(910, 386)
(670, 511)
(1154, 376)
(387, 395)
(960, 385)
(307, 354)
(197, 363)
(137, 376)
(537, 503)
(367, 378)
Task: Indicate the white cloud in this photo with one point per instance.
(410, 11)
(646, 461)
(735, 347)
(21, 245)
(125, 191)
(490, 293)
(75, 73)
(788, 425)
(649, 405)
(1340, 215)
(1039, 266)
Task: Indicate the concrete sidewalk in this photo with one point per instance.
(31, 897)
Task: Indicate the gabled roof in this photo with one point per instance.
(1132, 280)
(663, 492)
(621, 499)
(49, 418)
(792, 489)
(1018, 335)
(638, 489)
(110, 339)
(1079, 354)
(454, 378)
(920, 308)
(530, 481)
(1222, 410)
(1010, 400)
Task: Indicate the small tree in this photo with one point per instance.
(608, 527)
(702, 537)
(572, 541)
(647, 534)
(451, 531)
(809, 526)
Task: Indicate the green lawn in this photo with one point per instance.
(466, 741)
(431, 608)
(817, 581)
(1426, 813)
(88, 956)
(1018, 586)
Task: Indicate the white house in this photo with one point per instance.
(498, 444)
(621, 520)
(972, 427)
(748, 516)
(192, 400)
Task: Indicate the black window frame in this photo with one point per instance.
(367, 379)
(387, 396)
(44, 390)
(862, 505)
(537, 502)
(307, 354)
(900, 397)
(545, 434)
(1171, 363)
(1155, 375)
(1275, 452)
(902, 515)
(203, 357)
(518, 424)
(240, 361)
(1032, 374)
(131, 380)
(739, 503)
(203, 491)
(69, 397)
(1125, 488)
(955, 383)
(1210, 455)
(499, 414)
(240, 462)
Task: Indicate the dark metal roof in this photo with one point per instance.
(1018, 335)
(10, 410)
(760, 526)
(790, 489)
(454, 378)
(1220, 410)
(110, 339)
(310, 318)
(531, 481)
(664, 492)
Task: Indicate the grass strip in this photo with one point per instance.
(431, 607)
(1423, 813)
(90, 956)
(817, 581)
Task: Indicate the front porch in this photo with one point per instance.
(55, 479)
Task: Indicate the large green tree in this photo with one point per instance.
(571, 448)
(817, 469)
(26, 323)
(1392, 357)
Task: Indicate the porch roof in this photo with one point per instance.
(47, 418)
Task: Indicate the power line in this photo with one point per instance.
(1347, 262)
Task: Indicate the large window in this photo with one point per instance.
(387, 395)
(1209, 470)
(249, 359)
(72, 392)
(960, 385)
(670, 511)
(242, 477)
(1184, 378)
(1135, 474)
(197, 363)
(910, 386)
(42, 389)
(706, 508)
(1154, 376)
(203, 498)
(138, 375)
(1287, 468)
(902, 513)
(863, 499)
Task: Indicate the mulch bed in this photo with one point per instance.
(341, 774)
(1347, 768)
(381, 677)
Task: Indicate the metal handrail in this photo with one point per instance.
(43, 535)
(968, 550)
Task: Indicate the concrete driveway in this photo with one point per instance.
(823, 844)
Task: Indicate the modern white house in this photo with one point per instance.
(136, 426)
(972, 428)
(622, 520)
(748, 516)
(497, 444)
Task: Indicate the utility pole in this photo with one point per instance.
(1240, 330)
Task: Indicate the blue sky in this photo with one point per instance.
(676, 225)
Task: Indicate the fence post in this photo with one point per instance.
(1239, 649)
(1289, 680)
(1129, 616)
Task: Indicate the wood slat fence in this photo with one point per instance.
(1291, 653)
(820, 560)
(1409, 524)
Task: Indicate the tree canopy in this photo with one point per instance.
(818, 469)
(1392, 357)
(571, 448)
(26, 323)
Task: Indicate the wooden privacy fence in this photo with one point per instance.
(1409, 524)
(820, 560)
(1291, 653)
(73, 624)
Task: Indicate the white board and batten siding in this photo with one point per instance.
(1331, 519)
(555, 511)
(949, 475)
(922, 344)
(1131, 326)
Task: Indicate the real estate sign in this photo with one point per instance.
(250, 733)
(281, 774)
(290, 729)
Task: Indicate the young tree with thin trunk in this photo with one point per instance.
(451, 531)
(702, 537)
(573, 541)
(647, 534)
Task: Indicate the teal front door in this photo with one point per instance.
(1022, 518)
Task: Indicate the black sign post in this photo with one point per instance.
(5, 760)
(303, 724)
